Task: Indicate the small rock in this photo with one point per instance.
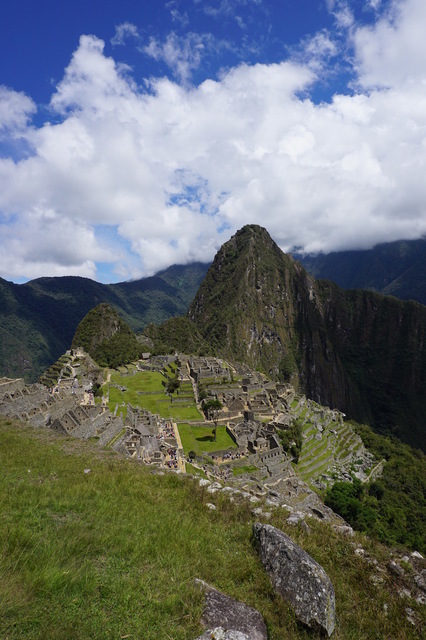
(395, 568)
(257, 512)
(271, 503)
(254, 500)
(305, 527)
(294, 519)
(211, 506)
(214, 488)
(420, 580)
(287, 508)
(87, 471)
(404, 593)
(346, 530)
(417, 555)
(410, 615)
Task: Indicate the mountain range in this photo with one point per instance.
(355, 350)
(392, 268)
(38, 319)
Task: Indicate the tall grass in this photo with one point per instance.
(113, 552)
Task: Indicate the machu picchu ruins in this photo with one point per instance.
(254, 411)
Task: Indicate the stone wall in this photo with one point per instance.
(10, 385)
(113, 429)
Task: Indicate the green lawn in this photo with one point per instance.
(184, 412)
(141, 381)
(237, 471)
(153, 397)
(201, 440)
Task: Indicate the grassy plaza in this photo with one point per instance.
(145, 390)
(200, 438)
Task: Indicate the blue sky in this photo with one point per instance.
(135, 135)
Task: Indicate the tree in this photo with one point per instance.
(291, 439)
(172, 385)
(211, 410)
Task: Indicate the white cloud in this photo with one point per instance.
(374, 4)
(172, 169)
(393, 51)
(182, 54)
(16, 109)
(316, 51)
(221, 8)
(123, 32)
(342, 13)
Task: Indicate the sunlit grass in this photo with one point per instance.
(145, 390)
(201, 439)
(95, 546)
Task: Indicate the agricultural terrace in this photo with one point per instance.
(200, 438)
(145, 390)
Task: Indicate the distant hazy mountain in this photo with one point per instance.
(38, 319)
(394, 268)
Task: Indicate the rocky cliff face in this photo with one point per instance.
(381, 344)
(355, 350)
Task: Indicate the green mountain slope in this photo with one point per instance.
(38, 319)
(394, 268)
(107, 338)
(355, 350)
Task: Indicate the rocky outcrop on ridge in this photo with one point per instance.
(297, 577)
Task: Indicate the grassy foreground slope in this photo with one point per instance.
(113, 552)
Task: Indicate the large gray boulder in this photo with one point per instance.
(297, 577)
(229, 619)
(221, 634)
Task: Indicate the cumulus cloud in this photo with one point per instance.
(392, 52)
(143, 176)
(16, 110)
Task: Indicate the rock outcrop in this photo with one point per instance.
(229, 619)
(297, 577)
